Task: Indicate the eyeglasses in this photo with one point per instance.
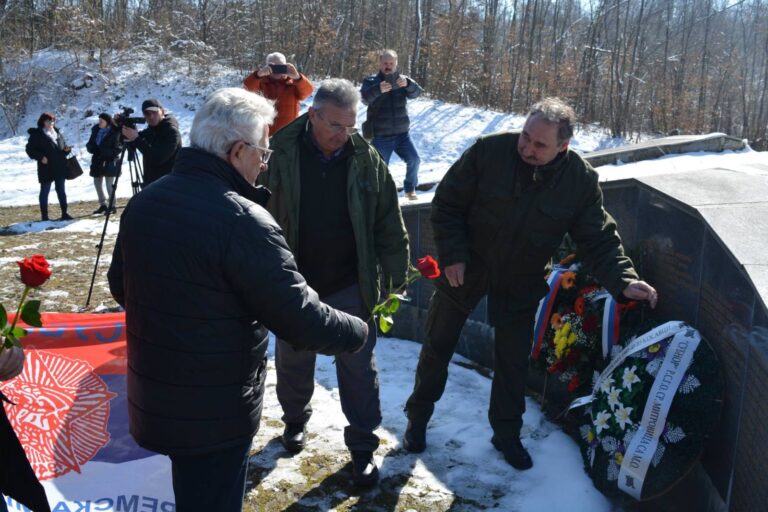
(265, 153)
(338, 128)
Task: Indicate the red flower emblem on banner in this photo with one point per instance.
(61, 412)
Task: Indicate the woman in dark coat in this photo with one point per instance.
(46, 145)
(105, 146)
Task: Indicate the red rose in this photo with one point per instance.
(579, 306)
(557, 366)
(34, 271)
(573, 385)
(428, 267)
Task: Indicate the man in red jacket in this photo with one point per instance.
(280, 81)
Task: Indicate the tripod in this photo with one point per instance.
(137, 182)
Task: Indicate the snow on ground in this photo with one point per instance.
(460, 461)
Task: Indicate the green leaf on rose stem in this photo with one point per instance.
(394, 304)
(30, 313)
(3, 317)
(385, 323)
(17, 333)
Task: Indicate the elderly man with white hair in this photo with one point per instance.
(279, 80)
(204, 272)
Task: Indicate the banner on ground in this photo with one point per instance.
(71, 417)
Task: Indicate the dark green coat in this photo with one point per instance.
(482, 212)
(380, 235)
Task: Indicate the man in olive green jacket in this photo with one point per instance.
(336, 202)
(498, 216)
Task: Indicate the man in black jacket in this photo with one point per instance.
(203, 272)
(498, 216)
(386, 94)
(159, 143)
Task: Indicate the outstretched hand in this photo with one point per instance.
(640, 290)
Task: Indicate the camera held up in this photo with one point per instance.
(124, 118)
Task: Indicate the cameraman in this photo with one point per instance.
(159, 142)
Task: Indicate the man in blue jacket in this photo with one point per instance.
(386, 94)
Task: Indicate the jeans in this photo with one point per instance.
(357, 375)
(403, 146)
(211, 481)
(45, 189)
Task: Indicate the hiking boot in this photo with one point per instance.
(66, 216)
(415, 438)
(364, 470)
(100, 209)
(411, 196)
(514, 452)
(293, 437)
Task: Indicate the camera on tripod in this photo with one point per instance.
(124, 118)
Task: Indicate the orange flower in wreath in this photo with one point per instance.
(556, 321)
(569, 280)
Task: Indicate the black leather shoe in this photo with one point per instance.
(66, 216)
(364, 470)
(514, 452)
(415, 438)
(100, 209)
(293, 437)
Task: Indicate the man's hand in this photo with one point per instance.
(11, 362)
(44, 160)
(640, 290)
(385, 86)
(264, 71)
(292, 71)
(130, 134)
(402, 81)
(455, 274)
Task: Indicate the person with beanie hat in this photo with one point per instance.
(159, 143)
(105, 146)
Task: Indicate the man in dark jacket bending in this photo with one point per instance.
(203, 272)
(159, 142)
(498, 216)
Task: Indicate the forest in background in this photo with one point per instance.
(650, 66)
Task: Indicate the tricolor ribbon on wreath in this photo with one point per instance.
(544, 310)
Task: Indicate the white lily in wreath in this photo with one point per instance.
(614, 398)
(607, 385)
(622, 416)
(601, 422)
(630, 377)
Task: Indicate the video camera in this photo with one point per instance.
(124, 118)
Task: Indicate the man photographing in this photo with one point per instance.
(280, 81)
(159, 142)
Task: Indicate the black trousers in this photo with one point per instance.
(211, 481)
(357, 375)
(448, 311)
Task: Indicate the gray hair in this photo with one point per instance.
(276, 58)
(229, 115)
(339, 92)
(555, 110)
(388, 53)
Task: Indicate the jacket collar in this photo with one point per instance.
(548, 174)
(198, 161)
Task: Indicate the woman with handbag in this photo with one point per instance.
(105, 146)
(46, 145)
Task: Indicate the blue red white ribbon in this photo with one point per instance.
(545, 310)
